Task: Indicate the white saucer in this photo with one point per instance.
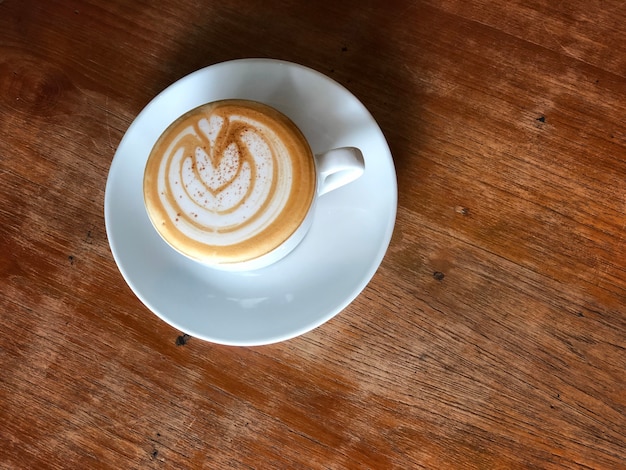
(338, 257)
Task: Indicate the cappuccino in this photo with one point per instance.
(229, 182)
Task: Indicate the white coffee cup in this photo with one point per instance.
(233, 184)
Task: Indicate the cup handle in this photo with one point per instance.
(338, 167)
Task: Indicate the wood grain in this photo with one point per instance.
(493, 335)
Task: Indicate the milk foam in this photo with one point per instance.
(226, 179)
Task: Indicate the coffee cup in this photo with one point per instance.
(233, 184)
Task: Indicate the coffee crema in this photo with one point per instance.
(229, 181)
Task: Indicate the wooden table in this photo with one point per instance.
(493, 334)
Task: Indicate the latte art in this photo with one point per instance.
(217, 179)
(229, 181)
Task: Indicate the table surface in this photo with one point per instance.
(493, 335)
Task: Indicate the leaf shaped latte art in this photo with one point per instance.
(229, 180)
(220, 176)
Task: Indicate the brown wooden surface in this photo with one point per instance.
(493, 334)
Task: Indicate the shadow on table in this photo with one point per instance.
(352, 46)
